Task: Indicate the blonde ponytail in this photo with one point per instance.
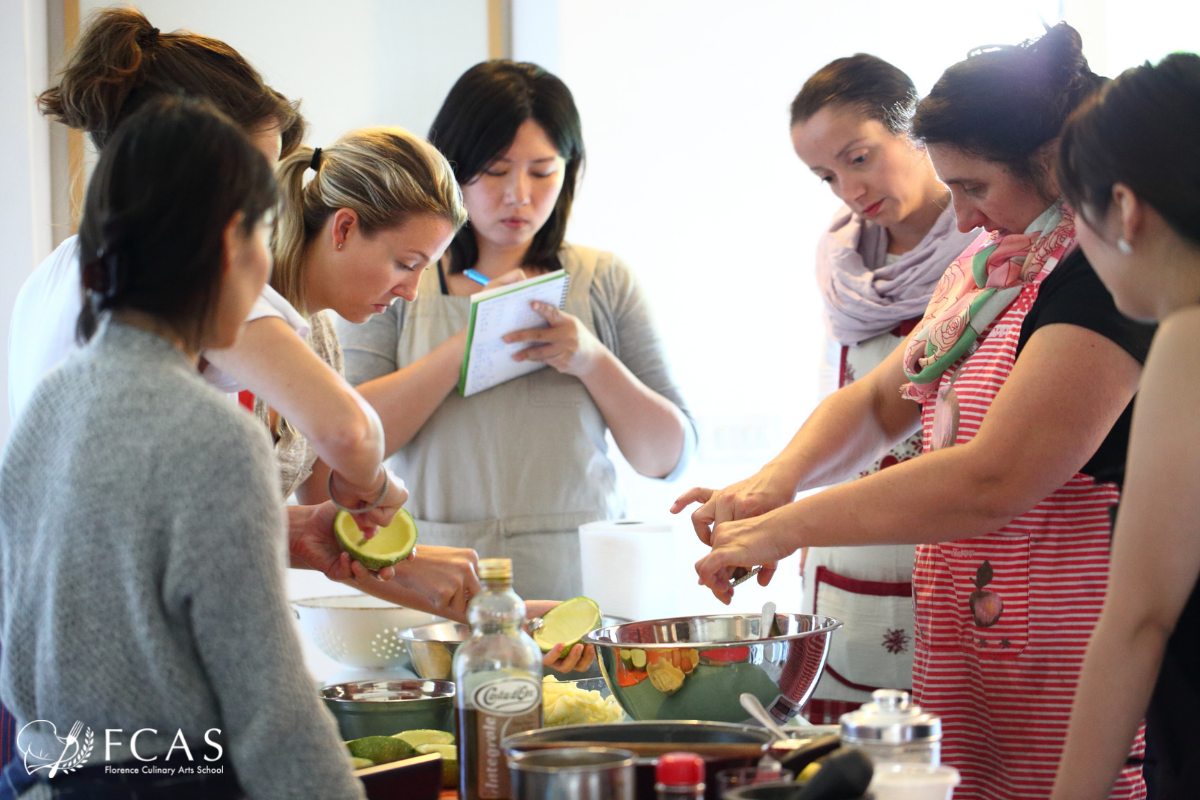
(384, 175)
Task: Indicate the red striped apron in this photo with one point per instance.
(1002, 620)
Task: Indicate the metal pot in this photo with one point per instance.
(385, 708)
(573, 773)
(721, 745)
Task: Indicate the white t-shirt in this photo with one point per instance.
(42, 332)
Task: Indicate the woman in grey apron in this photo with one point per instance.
(515, 470)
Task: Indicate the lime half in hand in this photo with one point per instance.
(567, 623)
(388, 546)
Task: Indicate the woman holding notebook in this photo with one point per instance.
(515, 470)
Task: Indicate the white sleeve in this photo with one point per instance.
(42, 331)
(270, 303)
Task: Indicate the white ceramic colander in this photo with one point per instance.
(359, 630)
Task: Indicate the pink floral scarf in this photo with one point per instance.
(976, 289)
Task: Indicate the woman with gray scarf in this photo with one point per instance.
(877, 265)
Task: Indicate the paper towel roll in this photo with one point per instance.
(628, 567)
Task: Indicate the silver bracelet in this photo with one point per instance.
(387, 482)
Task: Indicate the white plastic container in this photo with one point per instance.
(623, 567)
(914, 782)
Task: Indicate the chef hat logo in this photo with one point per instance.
(44, 750)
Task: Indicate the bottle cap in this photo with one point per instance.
(495, 569)
(680, 769)
(891, 719)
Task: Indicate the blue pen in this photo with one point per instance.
(477, 276)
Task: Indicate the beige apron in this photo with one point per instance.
(515, 470)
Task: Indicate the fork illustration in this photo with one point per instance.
(72, 737)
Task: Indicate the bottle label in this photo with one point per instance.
(507, 697)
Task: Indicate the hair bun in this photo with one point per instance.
(1060, 52)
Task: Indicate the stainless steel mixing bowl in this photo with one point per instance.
(431, 649)
(698, 667)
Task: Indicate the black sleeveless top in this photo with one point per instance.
(1173, 719)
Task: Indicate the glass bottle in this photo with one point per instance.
(498, 675)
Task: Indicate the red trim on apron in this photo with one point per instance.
(855, 586)
(842, 367)
(876, 588)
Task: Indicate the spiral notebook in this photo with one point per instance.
(495, 313)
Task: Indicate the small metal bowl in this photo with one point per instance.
(697, 667)
(431, 648)
(385, 708)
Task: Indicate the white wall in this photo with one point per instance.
(355, 62)
(24, 159)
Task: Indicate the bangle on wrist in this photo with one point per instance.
(379, 499)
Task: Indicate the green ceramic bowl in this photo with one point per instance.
(385, 708)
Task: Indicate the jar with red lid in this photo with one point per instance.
(679, 776)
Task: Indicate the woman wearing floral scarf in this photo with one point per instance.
(877, 265)
(1023, 374)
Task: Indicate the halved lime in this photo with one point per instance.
(567, 623)
(380, 749)
(387, 547)
(423, 736)
(361, 763)
(449, 756)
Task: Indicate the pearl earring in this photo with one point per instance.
(1124, 247)
(340, 245)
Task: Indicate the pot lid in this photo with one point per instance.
(890, 719)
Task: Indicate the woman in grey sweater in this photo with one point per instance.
(141, 540)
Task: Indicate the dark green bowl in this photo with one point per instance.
(385, 708)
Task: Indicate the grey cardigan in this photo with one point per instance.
(142, 549)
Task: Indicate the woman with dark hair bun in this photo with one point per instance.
(1129, 163)
(515, 470)
(877, 264)
(1023, 374)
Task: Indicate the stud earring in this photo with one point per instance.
(340, 245)
(1124, 247)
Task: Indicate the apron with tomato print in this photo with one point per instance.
(1003, 620)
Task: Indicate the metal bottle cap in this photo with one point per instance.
(890, 719)
(495, 569)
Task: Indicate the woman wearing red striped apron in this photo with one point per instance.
(1024, 373)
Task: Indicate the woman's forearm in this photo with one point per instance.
(848, 431)
(277, 366)
(1059, 403)
(649, 428)
(407, 398)
(1119, 671)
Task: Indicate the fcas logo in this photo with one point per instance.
(66, 754)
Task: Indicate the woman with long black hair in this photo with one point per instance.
(1130, 164)
(515, 470)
